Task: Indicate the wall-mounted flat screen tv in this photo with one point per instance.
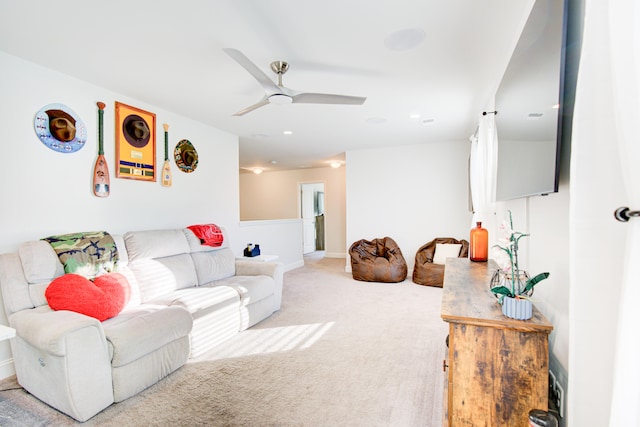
(531, 106)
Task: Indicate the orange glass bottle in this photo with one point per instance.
(479, 243)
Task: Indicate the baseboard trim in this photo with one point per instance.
(7, 368)
(335, 255)
(294, 265)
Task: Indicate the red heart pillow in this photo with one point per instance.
(103, 298)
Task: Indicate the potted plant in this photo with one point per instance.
(512, 286)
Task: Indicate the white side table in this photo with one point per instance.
(6, 332)
(260, 258)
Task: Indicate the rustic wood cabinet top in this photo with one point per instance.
(466, 298)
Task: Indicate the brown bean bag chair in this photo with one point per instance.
(378, 260)
(425, 271)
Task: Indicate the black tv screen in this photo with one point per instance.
(532, 117)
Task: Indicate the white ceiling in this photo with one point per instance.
(169, 54)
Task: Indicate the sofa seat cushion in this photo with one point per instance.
(251, 288)
(135, 333)
(201, 301)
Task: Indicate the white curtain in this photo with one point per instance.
(624, 33)
(483, 170)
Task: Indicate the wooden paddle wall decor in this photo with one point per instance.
(100, 170)
(166, 168)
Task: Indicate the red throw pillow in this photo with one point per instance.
(103, 298)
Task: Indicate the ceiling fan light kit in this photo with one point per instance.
(279, 94)
(280, 99)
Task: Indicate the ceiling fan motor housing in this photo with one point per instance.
(279, 67)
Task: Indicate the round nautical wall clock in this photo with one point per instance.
(60, 129)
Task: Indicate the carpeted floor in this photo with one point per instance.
(339, 353)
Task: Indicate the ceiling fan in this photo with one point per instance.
(278, 94)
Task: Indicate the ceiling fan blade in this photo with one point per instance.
(256, 72)
(249, 109)
(326, 98)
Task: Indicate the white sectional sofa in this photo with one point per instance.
(185, 298)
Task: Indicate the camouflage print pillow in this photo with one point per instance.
(88, 254)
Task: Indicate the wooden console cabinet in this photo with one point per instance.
(497, 366)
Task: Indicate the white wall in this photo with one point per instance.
(276, 195)
(45, 192)
(546, 219)
(276, 237)
(412, 194)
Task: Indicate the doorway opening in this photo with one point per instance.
(312, 212)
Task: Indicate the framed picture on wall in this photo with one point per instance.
(135, 143)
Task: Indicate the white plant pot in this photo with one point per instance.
(517, 308)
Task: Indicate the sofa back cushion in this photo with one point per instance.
(155, 244)
(28, 273)
(161, 262)
(211, 266)
(155, 262)
(40, 262)
(160, 276)
(15, 288)
(211, 263)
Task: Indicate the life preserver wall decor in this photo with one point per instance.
(135, 143)
(60, 129)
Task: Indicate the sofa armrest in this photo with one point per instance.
(271, 269)
(47, 330)
(62, 358)
(252, 268)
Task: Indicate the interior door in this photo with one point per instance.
(308, 218)
(311, 205)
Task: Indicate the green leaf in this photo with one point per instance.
(532, 282)
(501, 290)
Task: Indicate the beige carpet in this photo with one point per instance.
(339, 353)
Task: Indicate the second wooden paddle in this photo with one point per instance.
(166, 169)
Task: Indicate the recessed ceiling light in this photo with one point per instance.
(257, 171)
(404, 39)
(273, 162)
(376, 120)
(288, 132)
(336, 165)
(414, 115)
